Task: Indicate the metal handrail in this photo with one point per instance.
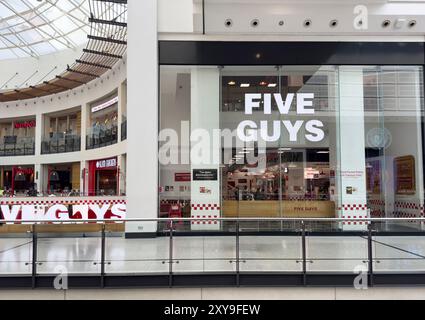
(172, 259)
(215, 219)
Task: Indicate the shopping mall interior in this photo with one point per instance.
(197, 143)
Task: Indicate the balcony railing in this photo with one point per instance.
(102, 138)
(69, 143)
(103, 258)
(19, 147)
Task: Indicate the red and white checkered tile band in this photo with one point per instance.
(354, 222)
(214, 212)
(377, 208)
(406, 205)
(52, 202)
(353, 206)
(205, 206)
(205, 217)
(404, 209)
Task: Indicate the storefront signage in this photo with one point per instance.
(182, 176)
(27, 171)
(249, 131)
(106, 163)
(58, 212)
(205, 175)
(25, 124)
(105, 105)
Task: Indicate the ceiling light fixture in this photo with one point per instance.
(272, 85)
(412, 23)
(255, 23)
(333, 23)
(245, 85)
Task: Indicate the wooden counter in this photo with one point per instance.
(61, 228)
(271, 209)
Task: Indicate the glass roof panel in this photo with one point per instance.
(30, 28)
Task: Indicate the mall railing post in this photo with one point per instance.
(102, 257)
(170, 258)
(370, 253)
(304, 255)
(237, 253)
(34, 256)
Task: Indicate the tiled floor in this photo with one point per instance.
(211, 254)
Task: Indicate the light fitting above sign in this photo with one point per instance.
(105, 105)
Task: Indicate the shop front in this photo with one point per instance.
(62, 132)
(63, 179)
(337, 135)
(17, 181)
(103, 177)
(103, 123)
(17, 137)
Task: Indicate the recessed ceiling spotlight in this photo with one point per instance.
(333, 23)
(281, 22)
(255, 23)
(231, 83)
(411, 23)
(307, 23)
(272, 85)
(263, 83)
(386, 23)
(245, 85)
(228, 23)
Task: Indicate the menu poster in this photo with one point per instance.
(205, 175)
(405, 175)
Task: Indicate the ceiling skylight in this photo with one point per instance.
(31, 28)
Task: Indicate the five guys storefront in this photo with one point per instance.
(103, 177)
(317, 129)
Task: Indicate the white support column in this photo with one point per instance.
(352, 147)
(205, 117)
(120, 107)
(142, 115)
(84, 177)
(38, 177)
(84, 125)
(38, 133)
(121, 162)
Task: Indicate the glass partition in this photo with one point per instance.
(291, 141)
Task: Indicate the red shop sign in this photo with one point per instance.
(106, 163)
(25, 124)
(27, 171)
(182, 176)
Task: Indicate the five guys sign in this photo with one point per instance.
(57, 212)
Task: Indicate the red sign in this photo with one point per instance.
(182, 176)
(28, 171)
(25, 124)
